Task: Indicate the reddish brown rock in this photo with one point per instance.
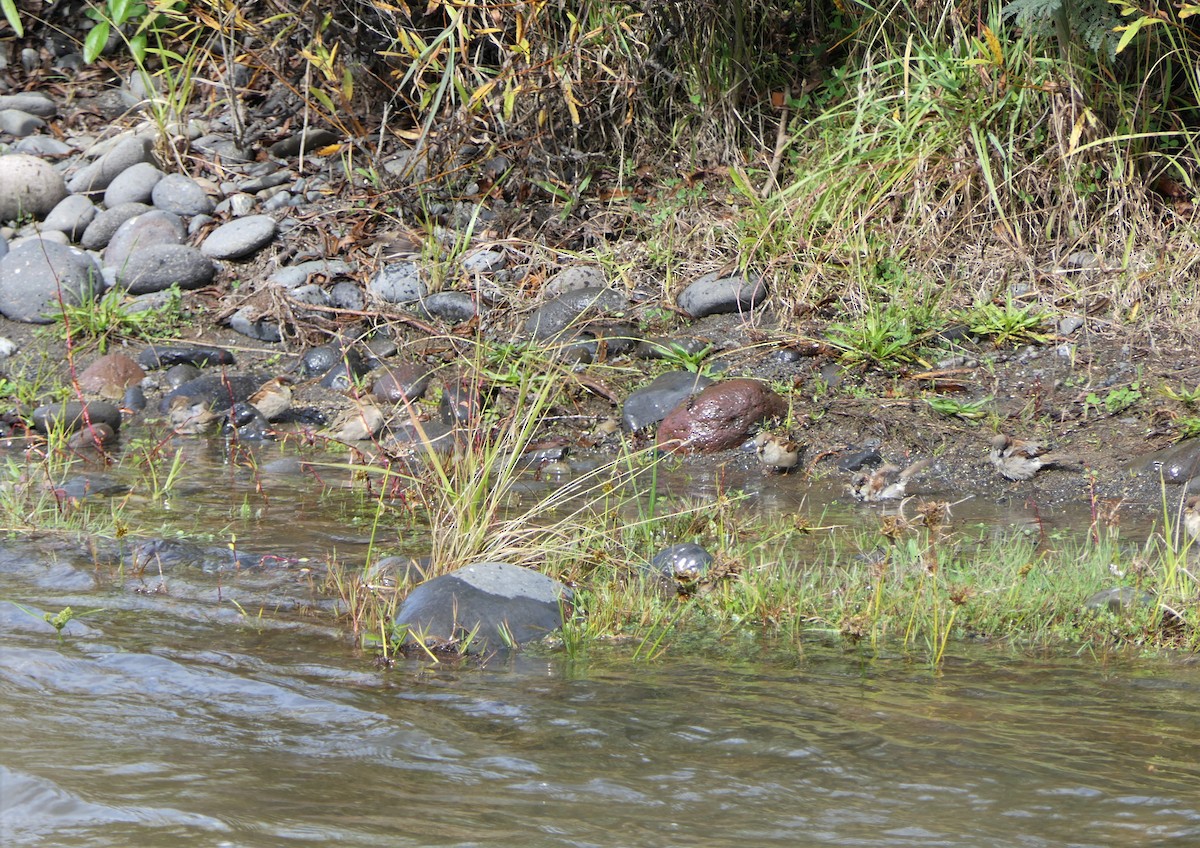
(718, 418)
(110, 375)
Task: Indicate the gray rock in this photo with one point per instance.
(401, 382)
(713, 295)
(31, 102)
(227, 149)
(71, 215)
(198, 223)
(557, 315)
(98, 176)
(240, 237)
(236, 205)
(1118, 600)
(662, 348)
(265, 182)
(450, 306)
(35, 274)
(1177, 463)
(140, 232)
(504, 605)
(685, 562)
(216, 391)
(19, 124)
(264, 329)
(107, 222)
(182, 195)
(309, 140)
(74, 415)
(575, 278)
(165, 356)
(650, 404)
(42, 145)
(3, 246)
(421, 439)
(398, 283)
(32, 235)
(160, 266)
(1069, 324)
(133, 185)
(28, 186)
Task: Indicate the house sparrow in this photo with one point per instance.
(1191, 517)
(359, 422)
(273, 397)
(778, 455)
(885, 483)
(1017, 459)
(189, 417)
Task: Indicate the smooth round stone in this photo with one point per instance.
(557, 315)
(36, 274)
(133, 185)
(107, 222)
(398, 283)
(73, 415)
(308, 140)
(31, 102)
(484, 262)
(100, 174)
(160, 266)
(71, 215)
(347, 295)
(297, 275)
(277, 201)
(19, 124)
(179, 374)
(155, 227)
(182, 195)
(31, 235)
(720, 417)
(240, 238)
(110, 375)
(165, 356)
(450, 306)
(684, 561)
(403, 381)
(28, 186)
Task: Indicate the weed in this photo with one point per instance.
(1116, 400)
(968, 410)
(1007, 324)
(881, 337)
(110, 318)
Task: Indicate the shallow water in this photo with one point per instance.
(187, 707)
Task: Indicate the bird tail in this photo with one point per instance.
(916, 468)
(1064, 461)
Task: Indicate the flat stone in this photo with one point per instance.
(559, 314)
(1177, 463)
(402, 381)
(71, 215)
(651, 403)
(34, 275)
(713, 295)
(264, 329)
(155, 227)
(182, 195)
(160, 266)
(28, 186)
(240, 237)
(157, 356)
(575, 278)
(107, 222)
(309, 140)
(297, 275)
(74, 415)
(450, 306)
(347, 295)
(42, 145)
(399, 282)
(98, 176)
(719, 418)
(133, 185)
(503, 604)
(110, 375)
(484, 262)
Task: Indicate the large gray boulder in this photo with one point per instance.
(505, 605)
(36, 274)
(28, 186)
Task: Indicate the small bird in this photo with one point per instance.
(1191, 517)
(885, 483)
(1017, 459)
(273, 397)
(777, 454)
(359, 422)
(189, 417)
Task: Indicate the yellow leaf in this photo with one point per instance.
(569, 97)
(329, 149)
(993, 44)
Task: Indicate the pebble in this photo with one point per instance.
(713, 295)
(484, 262)
(450, 306)
(31, 102)
(73, 415)
(403, 381)
(308, 140)
(575, 278)
(42, 145)
(297, 275)
(240, 237)
(133, 185)
(98, 176)
(155, 357)
(28, 186)
(34, 275)
(107, 222)
(347, 295)
(264, 329)
(650, 404)
(182, 195)
(155, 227)
(71, 215)
(110, 375)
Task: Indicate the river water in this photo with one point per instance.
(191, 708)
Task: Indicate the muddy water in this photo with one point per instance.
(221, 709)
